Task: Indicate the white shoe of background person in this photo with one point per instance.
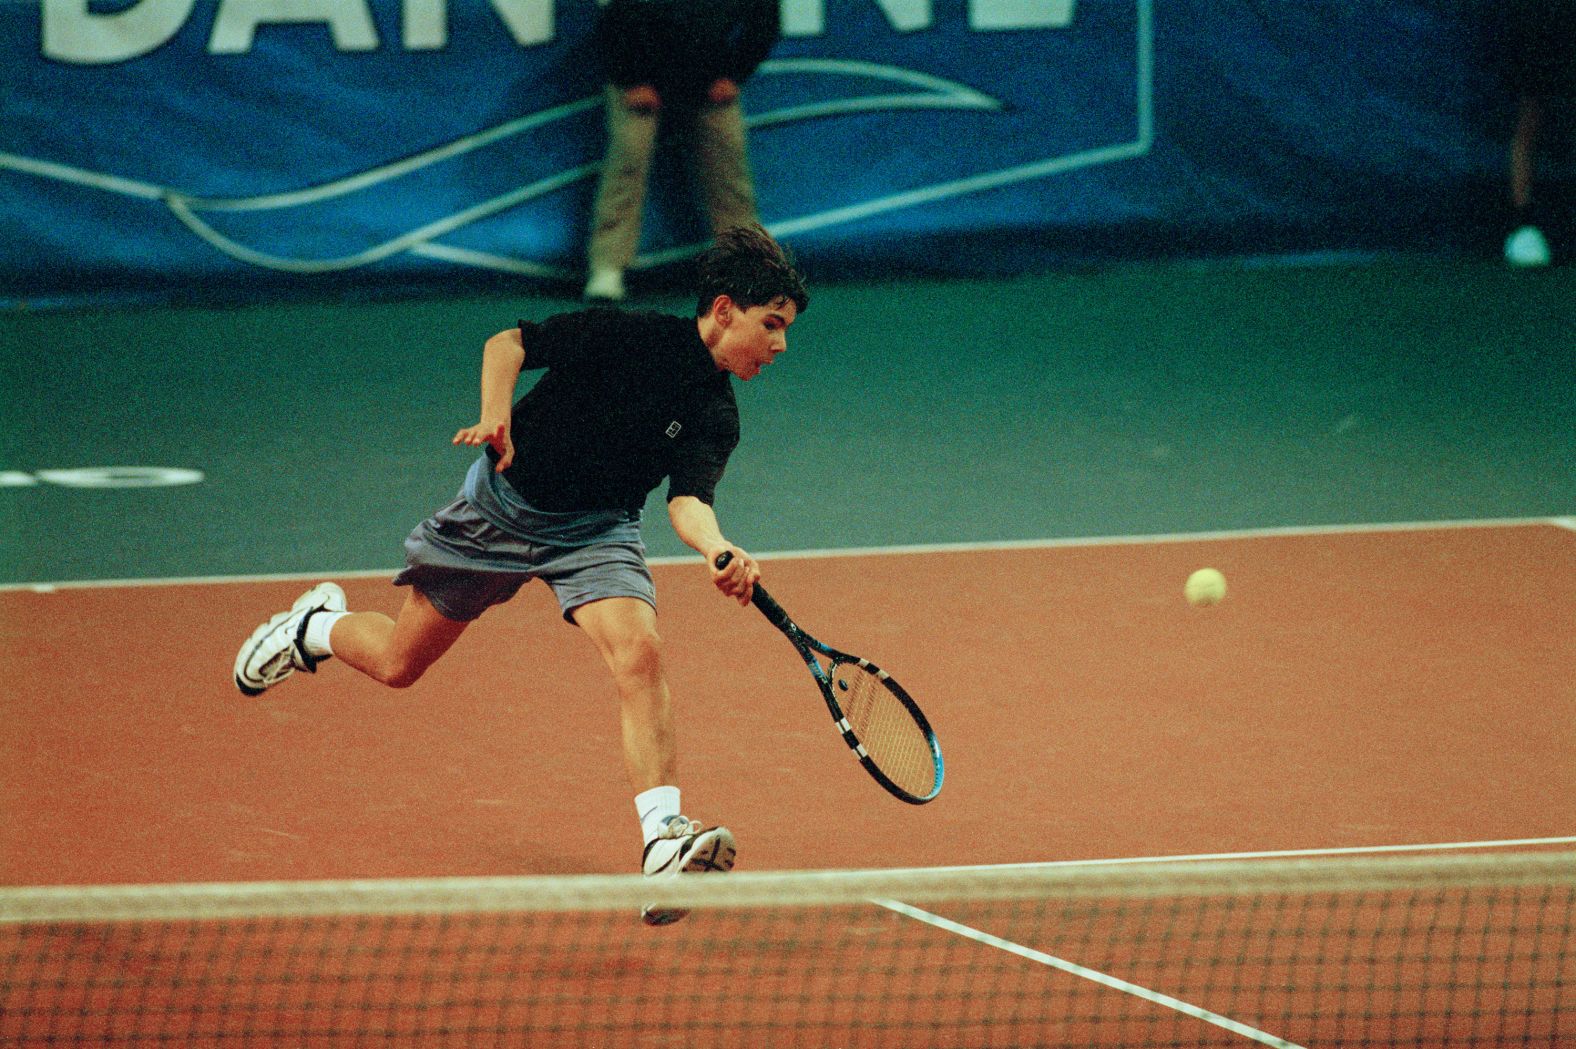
(605, 285)
(1527, 246)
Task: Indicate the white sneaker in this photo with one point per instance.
(685, 847)
(605, 285)
(1527, 246)
(277, 649)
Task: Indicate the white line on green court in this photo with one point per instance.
(1288, 531)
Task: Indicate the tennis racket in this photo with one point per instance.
(881, 724)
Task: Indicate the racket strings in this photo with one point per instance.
(891, 737)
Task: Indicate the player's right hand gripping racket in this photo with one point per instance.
(881, 724)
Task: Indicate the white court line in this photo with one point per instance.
(1095, 975)
(1288, 531)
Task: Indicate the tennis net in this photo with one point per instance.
(1449, 950)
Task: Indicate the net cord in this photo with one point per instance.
(595, 893)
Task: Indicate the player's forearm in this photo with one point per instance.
(695, 523)
(502, 358)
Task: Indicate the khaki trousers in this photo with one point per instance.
(720, 163)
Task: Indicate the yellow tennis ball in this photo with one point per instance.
(1205, 587)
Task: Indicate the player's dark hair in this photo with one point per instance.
(751, 268)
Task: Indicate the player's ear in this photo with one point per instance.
(722, 309)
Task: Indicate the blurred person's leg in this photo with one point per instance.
(621, 196)
(722, 166)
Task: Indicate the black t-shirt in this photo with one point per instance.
(627, 399)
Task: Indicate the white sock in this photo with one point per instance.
(654, 807)
(318, 627)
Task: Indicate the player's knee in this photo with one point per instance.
(638, 656)
(401, 673)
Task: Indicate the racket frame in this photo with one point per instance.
(809, 648)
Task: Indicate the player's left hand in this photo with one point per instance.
(495, 434)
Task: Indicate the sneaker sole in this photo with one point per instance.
(714, 856)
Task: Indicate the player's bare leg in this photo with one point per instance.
(395, 652)
(624, 630)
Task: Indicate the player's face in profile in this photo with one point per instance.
(752, 337)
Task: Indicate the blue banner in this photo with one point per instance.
(267, 146)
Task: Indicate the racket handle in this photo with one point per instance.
(765, 602)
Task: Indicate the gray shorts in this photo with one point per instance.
(464, 564)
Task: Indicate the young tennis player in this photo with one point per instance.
(627, 399)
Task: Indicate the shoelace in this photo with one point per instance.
(678, 827)
(286, 662)
(282, 665)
